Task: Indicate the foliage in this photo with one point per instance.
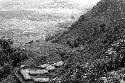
(96, 31)
(100, 32)
(10, 57)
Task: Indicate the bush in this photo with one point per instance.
(10, 57)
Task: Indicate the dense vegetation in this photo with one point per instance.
(94, 33)
(10, 57)
(95, 54)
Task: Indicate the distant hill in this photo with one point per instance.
(36, 18)
(29, 25)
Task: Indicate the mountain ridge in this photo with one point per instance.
(99, 17)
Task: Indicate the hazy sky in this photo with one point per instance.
(86, 2)
(82, 3)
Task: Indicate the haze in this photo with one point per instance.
(5, 4)
(33, 19)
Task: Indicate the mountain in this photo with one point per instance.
(94, 22)
(93, 49)
(98, 40)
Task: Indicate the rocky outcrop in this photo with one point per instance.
(40, 72)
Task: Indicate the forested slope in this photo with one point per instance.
(94, 48)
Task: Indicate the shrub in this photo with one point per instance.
(10, 57)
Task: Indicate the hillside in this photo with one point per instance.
(93, 49)
(92, 37)
(98, 19)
